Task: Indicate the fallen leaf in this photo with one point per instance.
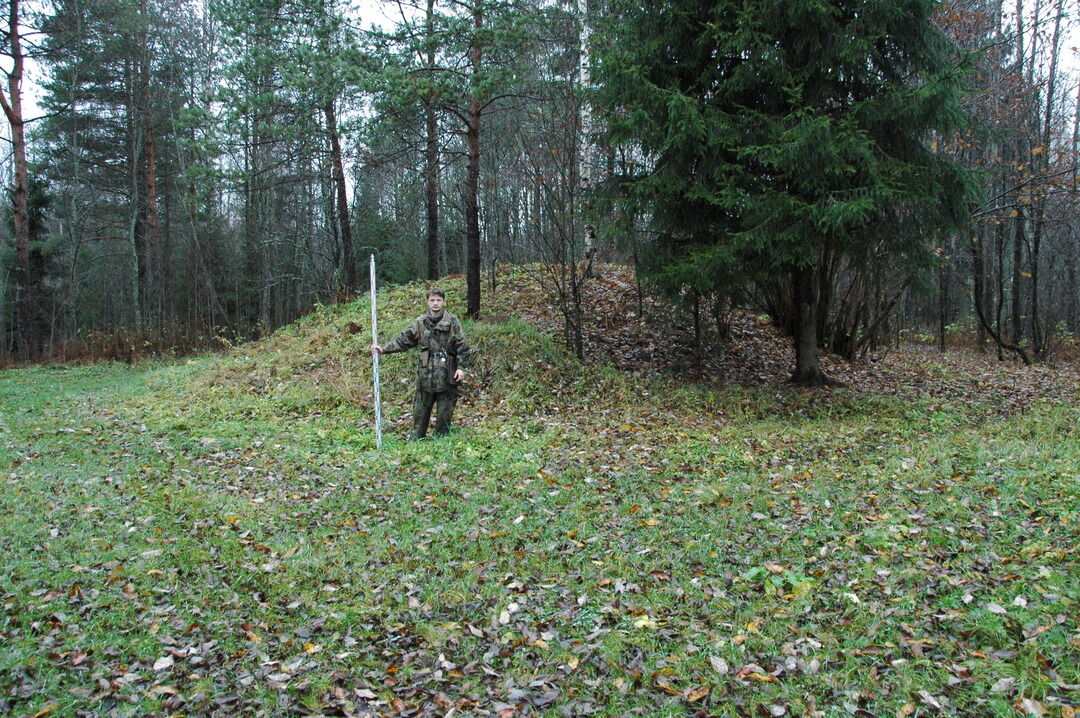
(1003, 686)
(163, 663)
(1030, 707)
(930, 700)
(997, 608)
(696, 694)
(719, 665)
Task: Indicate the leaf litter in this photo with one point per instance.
(751, 551)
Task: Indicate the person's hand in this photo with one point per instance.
(376, 349)
(459, 376)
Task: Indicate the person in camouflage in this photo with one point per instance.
(444, 354)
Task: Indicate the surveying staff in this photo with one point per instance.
(444, 354)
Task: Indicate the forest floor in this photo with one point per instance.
(645, 335)
(219, 536)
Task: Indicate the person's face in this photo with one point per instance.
(435, 303)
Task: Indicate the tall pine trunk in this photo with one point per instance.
(151, 270)
(135, 137)
(26, 339)
(472, 176)
(154, 256)
(431, 156)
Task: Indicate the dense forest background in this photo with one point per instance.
(190, 174)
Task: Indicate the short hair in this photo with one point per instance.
(435, 292)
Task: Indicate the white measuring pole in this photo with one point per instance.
(375, 359)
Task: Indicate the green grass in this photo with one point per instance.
(220, 537)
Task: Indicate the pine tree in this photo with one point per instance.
(775, 137)
(459, 64)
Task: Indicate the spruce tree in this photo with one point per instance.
(773, 137)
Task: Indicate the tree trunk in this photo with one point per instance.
(152, 242)
(807, 355)
(151, 271)
(1070, 245)
(472, 176)
(431, 168)
(998, 292)
(135, 137)
(1018, 295)
(978, 268)
(1021, 155)
(25, 332)
(977, 294)
(1038, 336)
(348, 259)
(1070, 285)
(943, 306)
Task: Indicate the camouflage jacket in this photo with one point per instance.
(443, 349)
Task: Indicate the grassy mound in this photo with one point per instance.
(219, 537)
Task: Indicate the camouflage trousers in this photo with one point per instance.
(443, 402)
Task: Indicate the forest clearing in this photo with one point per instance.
(775, 401)
(687, 536)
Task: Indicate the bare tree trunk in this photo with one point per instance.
(943, 305)
(1021, 152)
(977, 295)
(999, 295)
(152, 275)
(978, 268)
(1017, 324)
(1070, 246)
(348, 259)
(155, 274)
(26, 338)
(431, 168)
(135, 139)
(1070, 284)
(1038, 337)
(472, 176)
